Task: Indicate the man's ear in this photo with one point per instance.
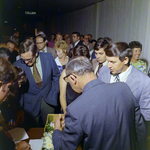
(126, 60)
(73, 78)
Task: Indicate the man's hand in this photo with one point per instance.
(59, 123)
(23, 146)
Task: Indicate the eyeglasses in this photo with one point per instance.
(65, 78)
(39, 42)
(27, 60)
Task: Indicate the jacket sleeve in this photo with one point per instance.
(144, 101)
(72, 135)
(55, 75)
(140, 128)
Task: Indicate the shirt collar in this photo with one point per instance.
(37, 58)
(44, 50)
(105, 63)
(123, 76)
(76, 43)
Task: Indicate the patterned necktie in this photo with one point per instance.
(99, 67)
(36, 75)
(117, 78)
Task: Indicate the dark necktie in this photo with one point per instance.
(99, 67)
(117, 78)
(37, 76)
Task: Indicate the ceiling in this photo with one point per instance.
(48, 8)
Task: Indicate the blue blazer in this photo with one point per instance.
(31, 94)
(102, 118)
(139, 84)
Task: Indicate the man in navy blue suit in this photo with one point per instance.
(40, 95)
(104, 117)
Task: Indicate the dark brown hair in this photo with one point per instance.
(42, 35)
(101, 43)
(79, 50)
(119, 49)
(27, 45)
(7, 71)
(135, 44)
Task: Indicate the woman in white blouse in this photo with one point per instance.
(61, 48)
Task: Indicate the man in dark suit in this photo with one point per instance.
(119, 69)
(40, 96)
(76, 39)
(13, 53)
(41, 42)
(104, 117)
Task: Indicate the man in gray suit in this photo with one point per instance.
(119, 69)
(41, 42)
(104, 117)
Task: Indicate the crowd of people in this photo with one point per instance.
(100, 85)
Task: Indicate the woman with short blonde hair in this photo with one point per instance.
(61, 48)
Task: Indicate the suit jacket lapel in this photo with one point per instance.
(44, 65)
(30, 76)
(132, 80)
(105, 77)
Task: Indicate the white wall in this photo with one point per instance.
(125, 20)
(121, 20)
(83, 21)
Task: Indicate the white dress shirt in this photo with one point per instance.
(104, 64)
(76, 43)
(123, 76)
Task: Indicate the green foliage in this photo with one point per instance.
(50, 118)
(48, 128)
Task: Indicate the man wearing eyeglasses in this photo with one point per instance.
(88, 44)
(104, 117)
(40, 95)
(41, 44)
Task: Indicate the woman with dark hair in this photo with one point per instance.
(136, 47)
(8, 76)
(10, 107)
(67, 95)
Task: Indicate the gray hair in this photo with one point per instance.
(80, 65)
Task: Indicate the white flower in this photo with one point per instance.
(49, 145)
(48, 140)
(52, 124)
